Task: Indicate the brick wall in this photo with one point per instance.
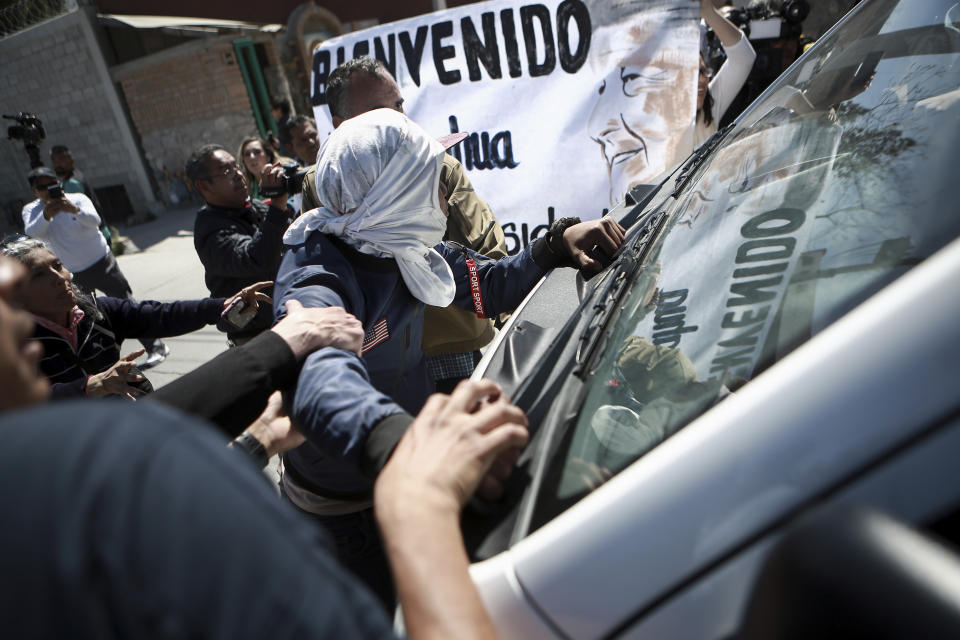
(182, 98)
(55, 70)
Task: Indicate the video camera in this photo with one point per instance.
(766, 20)
(775, 30)
(292, 182)
(29, 130)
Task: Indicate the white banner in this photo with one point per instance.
(568, 102)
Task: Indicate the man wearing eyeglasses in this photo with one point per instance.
(238, 240)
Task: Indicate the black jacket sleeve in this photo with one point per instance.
(72, 389)
(232, 389)
(152, 319)
(228, 251)
(381, 442)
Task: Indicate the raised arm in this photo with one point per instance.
(35, 224)
(86, 213)
(728, 32)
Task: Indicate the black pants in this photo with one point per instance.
(359, 548)
(105, 275)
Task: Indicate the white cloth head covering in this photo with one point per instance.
(377, 176)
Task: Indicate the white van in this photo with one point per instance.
(749, 424)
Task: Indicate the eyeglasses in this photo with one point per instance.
(228, 172)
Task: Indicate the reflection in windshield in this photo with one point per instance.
(835, 184)
(654, 390)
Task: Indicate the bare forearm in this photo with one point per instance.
(728, 32)
(447, 452)
(430, 568)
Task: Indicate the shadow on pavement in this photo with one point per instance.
(172, 222)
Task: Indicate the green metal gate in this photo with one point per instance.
(256, 87)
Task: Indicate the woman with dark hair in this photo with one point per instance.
(716, 91)
(254, 154)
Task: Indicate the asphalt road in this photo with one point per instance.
(165, 267)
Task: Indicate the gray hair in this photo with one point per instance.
(20, 246)
(338, 84)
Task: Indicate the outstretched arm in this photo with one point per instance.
(232, 389)
(490, 287)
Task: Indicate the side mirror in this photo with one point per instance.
(855, 573)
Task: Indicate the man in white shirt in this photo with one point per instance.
(69, 223)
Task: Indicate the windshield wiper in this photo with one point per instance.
(614, 290)
(695, 160)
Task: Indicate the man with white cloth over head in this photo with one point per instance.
(375, 250)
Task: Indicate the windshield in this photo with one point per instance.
(832, 185)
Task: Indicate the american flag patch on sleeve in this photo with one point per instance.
(375, 335)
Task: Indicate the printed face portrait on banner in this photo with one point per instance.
(567, 103)
(643, 113)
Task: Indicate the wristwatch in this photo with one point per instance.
(555, 244)
(247, 443)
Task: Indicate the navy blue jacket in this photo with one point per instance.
(107, 322)
(135, 521)
(353, 410)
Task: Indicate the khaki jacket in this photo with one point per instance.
(472, 224)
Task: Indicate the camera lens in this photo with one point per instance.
(795, 11)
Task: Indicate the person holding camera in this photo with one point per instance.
(74, 181)
(238, 240)
(70, 224)
(299, 132)
(256, 153)
(716, 91)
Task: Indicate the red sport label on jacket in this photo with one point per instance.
(475, 288)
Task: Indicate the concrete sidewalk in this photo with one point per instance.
(165, 267)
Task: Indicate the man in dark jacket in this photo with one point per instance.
(239, 241)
